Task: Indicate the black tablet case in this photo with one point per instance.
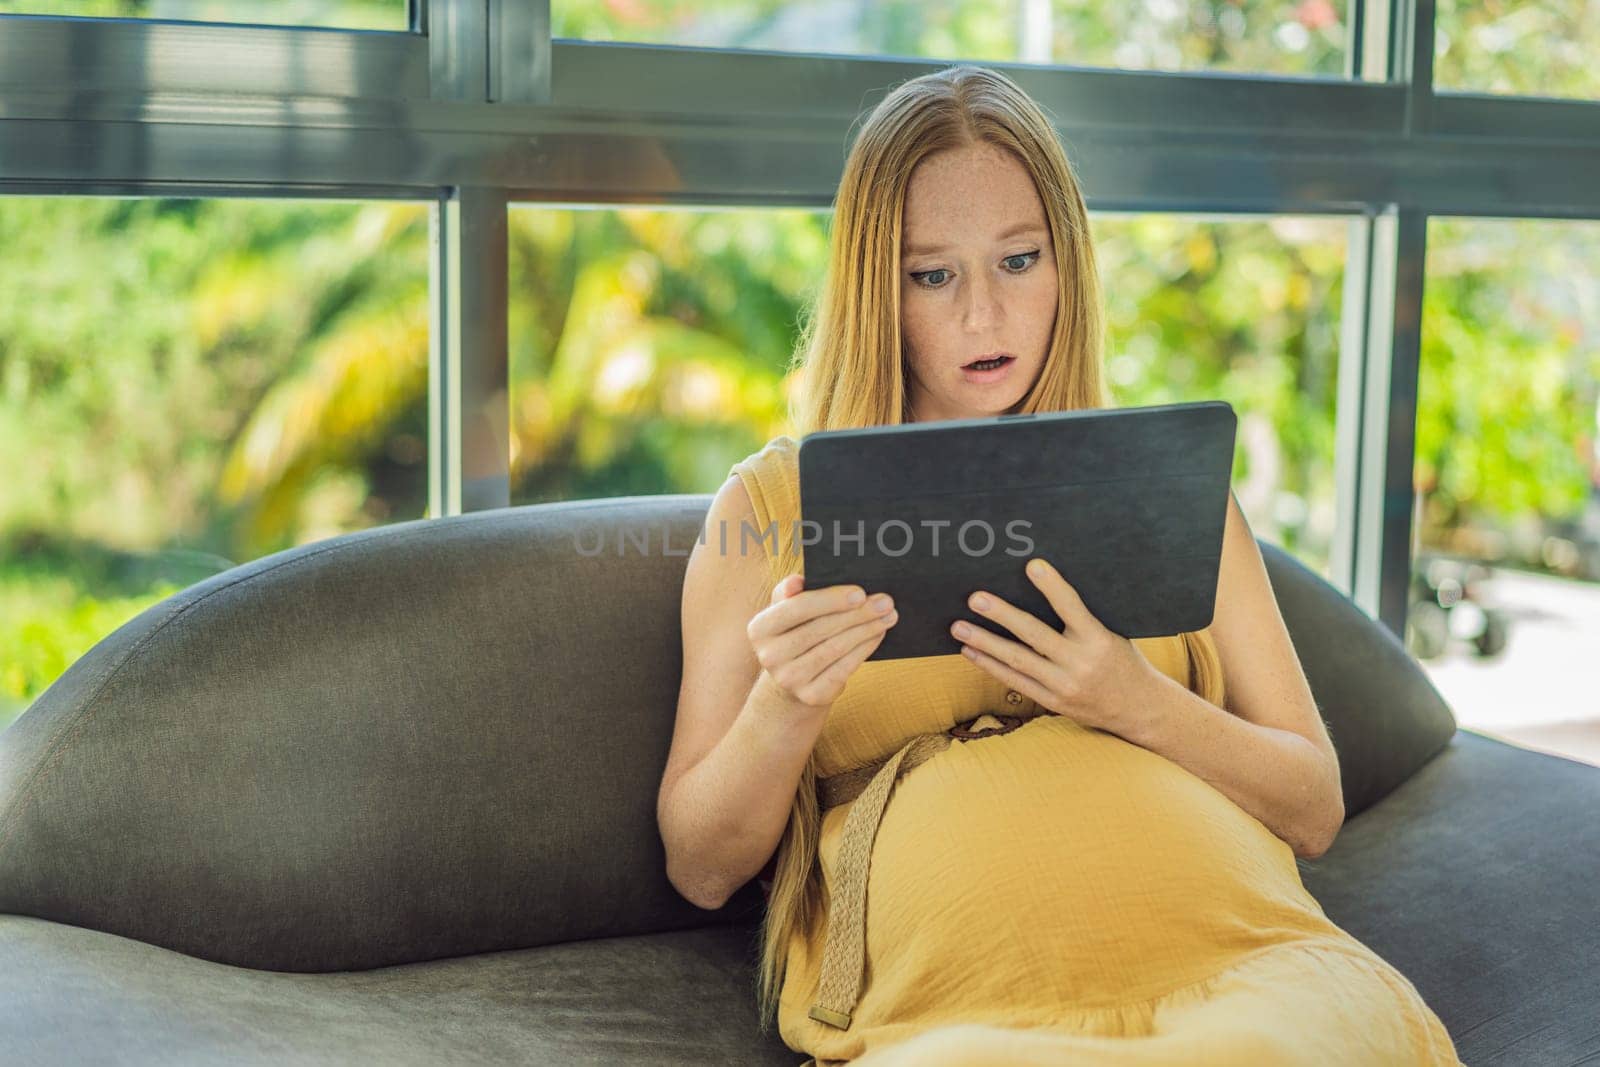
(1128, 503)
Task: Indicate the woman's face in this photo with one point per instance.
(977, 277)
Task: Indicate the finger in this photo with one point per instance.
(1016, 656)
(787, 587)
(788, 612)
(822, 661)
(794, 643)
(1061, 595)
(1028, 627)
(1022, 683)
(839, 673)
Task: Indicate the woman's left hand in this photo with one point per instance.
(1083, 671)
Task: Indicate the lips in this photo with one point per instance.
(984, 377)
(990, 358)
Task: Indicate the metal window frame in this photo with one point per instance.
(477, 107)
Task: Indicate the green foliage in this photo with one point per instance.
(1294, 37)
(344, 14)
(1511, 46)
(1509, 367)
(648, 347)
(1246, 311)
(174, 371)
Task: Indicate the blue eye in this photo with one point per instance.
(925, 278)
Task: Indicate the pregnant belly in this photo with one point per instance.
(1072, 863)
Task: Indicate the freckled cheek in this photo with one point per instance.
(922, 329)
(1042, 308)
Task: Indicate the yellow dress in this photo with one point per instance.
(1058, 895)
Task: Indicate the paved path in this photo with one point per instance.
(1543, 691)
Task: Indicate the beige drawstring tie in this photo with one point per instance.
(844, 950)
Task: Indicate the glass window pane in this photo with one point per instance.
(186, 385)
(1247, 311)
(649, 347)
(1289, 37)
(343, 14)
(1505, 602)
(1508, 46)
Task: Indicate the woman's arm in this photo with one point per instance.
(1269, 750)
(739, 745)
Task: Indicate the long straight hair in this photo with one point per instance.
(848, 371)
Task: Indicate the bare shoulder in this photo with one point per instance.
(727, 560)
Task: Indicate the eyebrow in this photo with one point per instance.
(1020, 228)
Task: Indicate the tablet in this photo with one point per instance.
(1129, 504)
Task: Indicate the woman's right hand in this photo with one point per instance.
(810, 641)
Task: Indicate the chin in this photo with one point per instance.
(990, 411)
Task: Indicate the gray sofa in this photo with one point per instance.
(391, 797)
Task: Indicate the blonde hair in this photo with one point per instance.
(848, 371)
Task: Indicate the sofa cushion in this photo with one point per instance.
(1476, 879)
(424, 740)
(686, 997)
(1383, 714)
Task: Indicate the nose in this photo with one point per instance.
(980, 309)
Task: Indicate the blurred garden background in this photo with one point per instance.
(190, 384)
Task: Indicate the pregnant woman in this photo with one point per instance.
(1055, 846)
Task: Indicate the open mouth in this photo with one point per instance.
(989, 364)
